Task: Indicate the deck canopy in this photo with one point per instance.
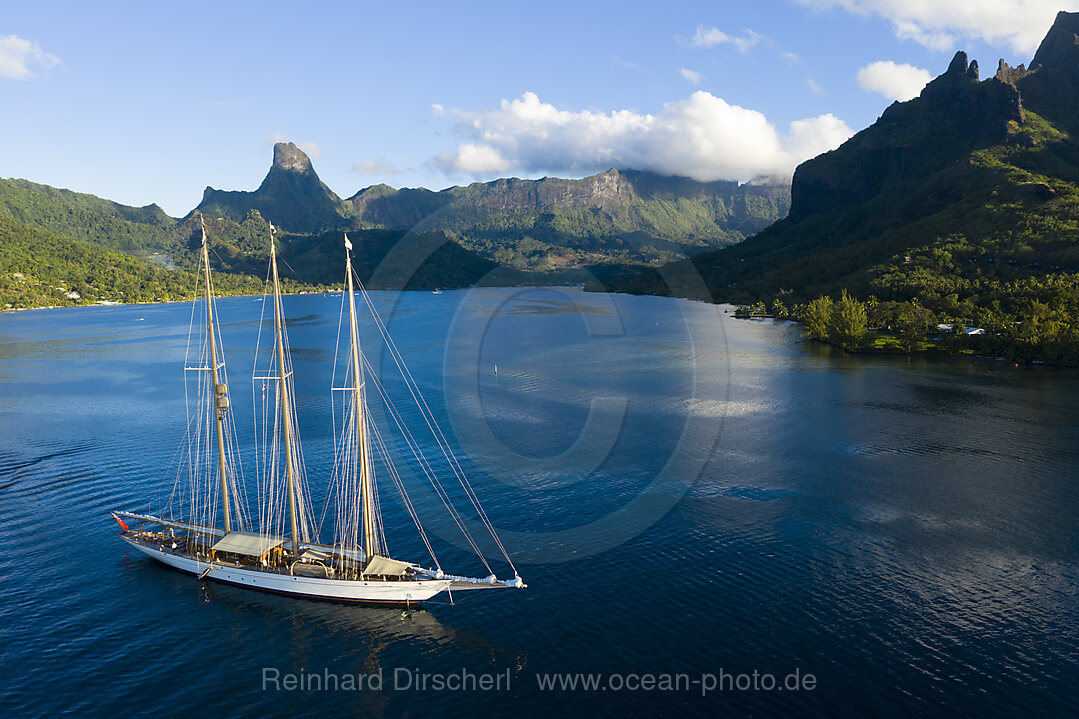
(386, 567)
(251, 544)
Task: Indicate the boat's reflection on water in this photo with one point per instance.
(389, 622)
(373, 625)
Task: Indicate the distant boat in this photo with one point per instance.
(436, 292)
(206, 531)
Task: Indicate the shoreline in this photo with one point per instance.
(13, 310)
(931, 352)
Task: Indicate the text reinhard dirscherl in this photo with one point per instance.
(465, 680)
(401, 680)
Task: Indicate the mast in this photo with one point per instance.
(218, 393)
(283, 386)
(366, 494)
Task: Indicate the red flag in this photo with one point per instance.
(121, 522)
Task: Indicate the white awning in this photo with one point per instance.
(382, 565)
(251, 544)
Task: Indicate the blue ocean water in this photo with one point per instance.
(697, 503)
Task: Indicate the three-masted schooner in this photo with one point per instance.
(211, 537)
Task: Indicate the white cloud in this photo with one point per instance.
(895, 82)
(814, 87)
(710, 37)
(811, 137)
(939, 24)
(374, 166)
(473, 159)
(311, 148)
(19, 58)
(702, 137)
(790, 58)
(693, 77)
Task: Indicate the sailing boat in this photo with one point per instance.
(211, 537)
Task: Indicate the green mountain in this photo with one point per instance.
(551, 225)
(391, 259)
(41, 268)
(291, 195)
(42, 219)
(85, 217)
(615, 217)
(503, 232)
(963, 201)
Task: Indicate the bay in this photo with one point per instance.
(688, 496)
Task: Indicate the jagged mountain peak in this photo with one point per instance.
(962, 201)
(287, 156)
(958, 65)
(954, 113)
(1060, 48)
(291, 196)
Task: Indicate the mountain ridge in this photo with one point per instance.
(618, 217)
(962, 203)
(547, 230)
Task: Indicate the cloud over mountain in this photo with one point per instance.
(894, 81)
(702, 137)
(311, 148)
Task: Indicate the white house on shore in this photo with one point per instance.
(969, 331)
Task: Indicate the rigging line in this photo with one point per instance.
(235, 476)
(343, 450)
(336, 351)
(338, 490)
(428, 471)
(173, 463)
(187, 405)
(451, 459)
(326, 503)
(376, 520)
(179, 453)
(426, 412)
(376, 506)
(286, 264)
(303, 492)
(428, 415)
(399, 484)
(300, 484)
(238, 479)
(340, 463)
(187, 398)
(426, 467)
(261, 469)
(267, 449)
(410, 440)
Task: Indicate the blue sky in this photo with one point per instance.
(150, 102)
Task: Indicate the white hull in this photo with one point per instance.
(398, 592)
